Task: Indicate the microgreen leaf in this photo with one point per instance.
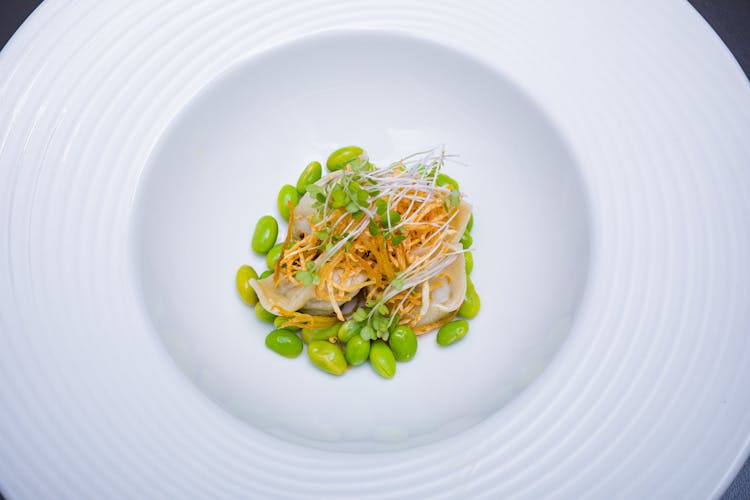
(381, 206)
(374, 229)
(352, 207)
(359, 163)
(367, 333)
(360, 314)
(363, 198)
(379, 322)
(314, 189)
(338, 197)
(304, 277)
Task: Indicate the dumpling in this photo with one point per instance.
(302, 213)
(286, 296)
(444, 295)
(460, 221)
(290, 296)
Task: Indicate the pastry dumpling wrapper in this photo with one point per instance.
(291, 296)
(445, 295)
(288, 295)
(460, 221)
(302, 213)
(322, 307)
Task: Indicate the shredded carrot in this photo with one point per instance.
(435, 324)
(287, 241)
(303, 320)
(370, 261)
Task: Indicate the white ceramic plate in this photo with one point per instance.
(607, 162)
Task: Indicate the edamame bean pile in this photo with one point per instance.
(370, 259)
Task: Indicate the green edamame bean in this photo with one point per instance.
(443, 179)
(466, 240)
(470, 224)
(266, 231)
(284, 342)
(287, 193)
(471, 304)
(327, 356)
(469, 261)
(403, 343)
(382, 359)
(265, 274)
(310, 335)
(343, 156)
(244, 275)
(453, 331)
(310, 175)
(264, 315)
(280, 323)
(357, 350)
(273, 255)
(349, 329)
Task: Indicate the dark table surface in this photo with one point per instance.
(729, 18)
